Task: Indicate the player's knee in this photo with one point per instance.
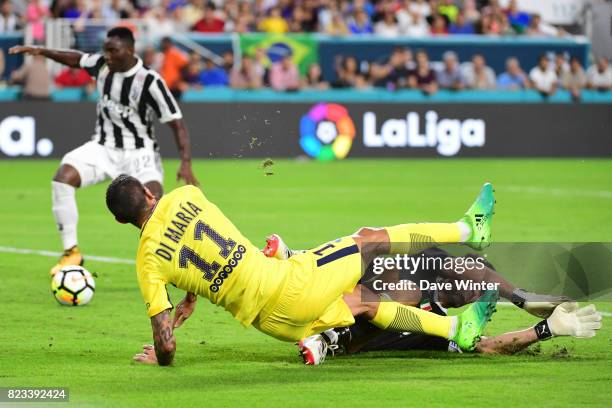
(68, 175)
(370, 234)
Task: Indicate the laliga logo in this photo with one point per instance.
(17, 138)
(327, 132)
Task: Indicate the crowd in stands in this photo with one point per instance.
(388, 18)
(402, 69)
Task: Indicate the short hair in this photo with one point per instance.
(125, 198)
(450, 54)
(123, 33)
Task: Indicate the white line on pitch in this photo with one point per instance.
(53, 254)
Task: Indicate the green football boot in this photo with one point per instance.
(479, 218)
(471, 323)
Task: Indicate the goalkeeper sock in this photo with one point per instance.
(394, 316)
(414, 238)
(65, 212)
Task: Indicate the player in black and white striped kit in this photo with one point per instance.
(131, 95)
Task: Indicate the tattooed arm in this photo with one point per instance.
(162, 352)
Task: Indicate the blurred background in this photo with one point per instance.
(444, 61)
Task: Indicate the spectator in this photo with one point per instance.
(397, 70)
(231, 11)
(360, 23)
(347, 71)
(173, 62)
(561, 66)
(9, 21)
(74, 9)
(412, 22)
(259, 65)
(73, 78)
(514, 78)
(212, 75)
(491, 9)
(274, 23)
(599, 76)
(420, 7)
(36, 14)
(310, 16)
(152, 59)
(450, 76)
(461, 26)
(192, 12)
(326, 13)
(439, 25)
(209, 23)
(191, 73)
(471, 13)
(158, 23)
(448, 9)
(246, 76)
(574, 79)
(244, 24)
(542, 78)
(2, 66)
(519, 20)
(114, 11)
(314, 78)
(423, 77)
(284, 75)
(538, 28)
(388, 26)
(478, 75)
(35, 78)
(337, 26)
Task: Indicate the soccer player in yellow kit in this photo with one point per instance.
(188, 242)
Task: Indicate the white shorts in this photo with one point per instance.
(96, 163)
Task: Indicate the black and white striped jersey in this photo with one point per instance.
(127, 103)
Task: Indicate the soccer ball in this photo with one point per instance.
(73, 285)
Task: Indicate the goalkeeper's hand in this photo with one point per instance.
(569, 320)
(537, 305)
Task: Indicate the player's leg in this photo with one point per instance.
(474, 229)
(145, 165)
(81, 167)
(464, 329)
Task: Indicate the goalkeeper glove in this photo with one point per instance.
(568, 320)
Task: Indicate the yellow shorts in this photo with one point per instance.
(311, 300)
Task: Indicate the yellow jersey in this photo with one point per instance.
(189, 243)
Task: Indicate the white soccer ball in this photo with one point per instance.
(73, 285)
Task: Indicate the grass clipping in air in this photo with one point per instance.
(266, 165)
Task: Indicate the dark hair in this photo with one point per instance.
(125, 199)
(123, 33)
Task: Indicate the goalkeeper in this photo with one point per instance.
(564, 317)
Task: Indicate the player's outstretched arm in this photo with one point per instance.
(536, 304)
(181, 136)
(66, 57)
(566, 320)
(184, 309)
(162, 352)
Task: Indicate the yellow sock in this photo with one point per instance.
(414, 238)
(394, 316)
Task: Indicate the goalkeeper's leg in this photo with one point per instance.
(464, 329)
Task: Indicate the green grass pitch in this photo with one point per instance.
(219, 363)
